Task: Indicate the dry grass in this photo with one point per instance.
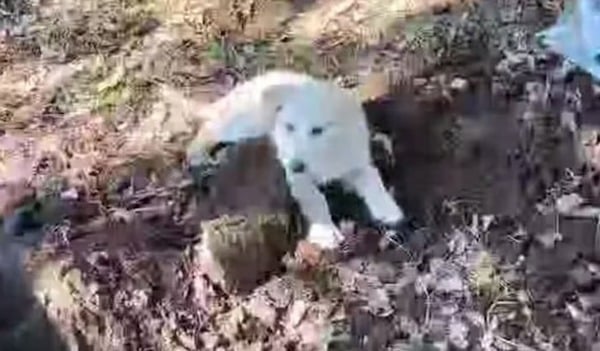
(124, 50)
(365, 22)
(69, 29)
(197, 39)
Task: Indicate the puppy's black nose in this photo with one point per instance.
(297, 166)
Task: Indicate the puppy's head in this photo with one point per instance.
(312, 120)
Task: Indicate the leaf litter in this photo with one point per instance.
(507, 256)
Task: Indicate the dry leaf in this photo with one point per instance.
(549, 239)
(297, 312)
(309, 253)
(450, 284)
(262, 310)
(567, 203)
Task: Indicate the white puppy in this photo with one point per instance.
(320, 134)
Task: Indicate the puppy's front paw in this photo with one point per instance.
(326, 236)
(389, 214)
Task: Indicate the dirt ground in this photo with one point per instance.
(481, 136)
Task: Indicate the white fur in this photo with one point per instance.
(287, 106)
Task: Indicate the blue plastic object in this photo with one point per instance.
(576, 35)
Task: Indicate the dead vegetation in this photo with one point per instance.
(485, 153)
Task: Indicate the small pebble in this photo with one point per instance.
(70, 194)
(459, 84)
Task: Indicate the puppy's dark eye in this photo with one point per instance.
(316, 131)
(278, 108)
(289, 127)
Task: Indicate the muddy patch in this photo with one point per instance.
(447, 152)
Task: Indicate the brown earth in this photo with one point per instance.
(499, 260)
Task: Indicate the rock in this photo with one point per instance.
(459, 84)
(249, 228)
(242, 252)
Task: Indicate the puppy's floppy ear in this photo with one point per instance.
(277, 94)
